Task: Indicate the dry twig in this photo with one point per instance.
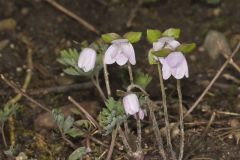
(213, 81)
(80, 20)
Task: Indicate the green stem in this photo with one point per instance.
(3, 136)
(180, 120)
(169, 144)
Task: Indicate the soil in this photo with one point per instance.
(50, 31)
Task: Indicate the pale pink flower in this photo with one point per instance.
(165, 42)
(87, 59)
(131, 104)
(120, 51)
(174, 64)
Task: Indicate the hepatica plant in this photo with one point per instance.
(167, 54)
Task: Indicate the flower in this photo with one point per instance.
(87, 59)
(141, 114)
(120, 51)
(131, 104)
(174, 64)
(165, 42)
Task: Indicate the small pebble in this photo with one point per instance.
(24, 11)
(12, 46)
(19, 69)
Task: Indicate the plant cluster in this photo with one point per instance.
(167, 53)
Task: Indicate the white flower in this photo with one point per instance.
(174, 64)
(120, 51)
(87, 59)
(165, 42)
(131, 104)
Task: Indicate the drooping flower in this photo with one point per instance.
(131, 104)
(174, 64)
(87, 59)
(120, 51)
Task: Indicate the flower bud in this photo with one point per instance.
(87, 59)
(131, 104)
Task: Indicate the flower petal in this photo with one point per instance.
(178, 64)
(173, 44)
(175, 59)
(186, 69)
(121, 59)
(110, 57)
(158, 45)
(129, 52)
(166, 70)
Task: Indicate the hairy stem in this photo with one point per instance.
(106, 78)
(180, 120)
(125, 141)
(139, 134)
(130, 73)
(156, 130)
(165, 111)
(97, 85)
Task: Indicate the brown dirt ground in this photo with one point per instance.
(50, 31)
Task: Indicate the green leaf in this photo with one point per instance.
(153, 35)
(112, 115)
(162, 53)
(83, 123)
(73, 132)
(77, 154)
(120, 93)
(186, 48)
(151, 58)
(109, 37)
(172, 32)
(142, 79)
(71, 71)
(68, 123)
(133, 37)
(58, 117)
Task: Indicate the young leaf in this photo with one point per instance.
(73, 132)
(77, 154)
(186, 48)
(68, 123)
(109, 37)
(133, 37)
(162, 53)
(172, 32)
(58, 118)
(151, 58)
(153, 35)
(142, 79)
